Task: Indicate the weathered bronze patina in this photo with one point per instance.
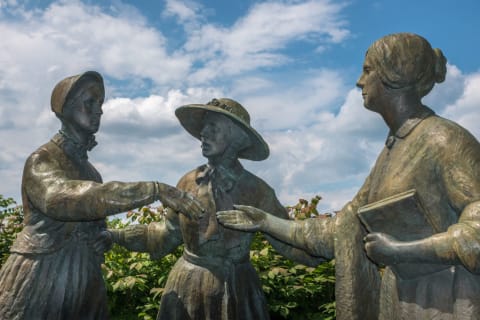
(423, 151)
(53, 271)
(214, 280)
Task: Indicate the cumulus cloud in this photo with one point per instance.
(330, 156)
(465, 109)
(189, 14)
(256, 40)
(294, 104)
(154, 114)
(321, 138)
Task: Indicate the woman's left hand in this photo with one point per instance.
(383, 249)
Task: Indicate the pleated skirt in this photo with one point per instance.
(226, 292)
(66, 284)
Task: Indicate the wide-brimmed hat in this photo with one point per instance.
(191, 118)
(68, 86)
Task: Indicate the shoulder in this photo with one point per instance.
(188, 180)
(444, 133)
(450, 143)
(47, 153)
(262, 189)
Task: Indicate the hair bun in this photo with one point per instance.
(440, 65)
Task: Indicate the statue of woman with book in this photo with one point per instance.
(429, 170)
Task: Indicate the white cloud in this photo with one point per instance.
(257, 39)
(331, 156)
(295, 104)
(322, 140)
(250, 85)
(154, 114)
(186, 12)
(465, 110)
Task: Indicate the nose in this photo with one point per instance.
(360, 83)
(98, 108)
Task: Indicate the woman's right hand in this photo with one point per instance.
(244, 218)
(180, 201)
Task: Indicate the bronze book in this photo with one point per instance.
(404, 217)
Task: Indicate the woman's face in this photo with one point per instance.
(85, 109)
(215, 135)
(375, 94)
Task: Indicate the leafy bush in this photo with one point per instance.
(11, 223)
(294, 291)
(135, 283)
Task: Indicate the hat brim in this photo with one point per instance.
(191, 118)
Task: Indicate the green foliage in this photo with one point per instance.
(11, 223)
(294, 291)
(135, 283)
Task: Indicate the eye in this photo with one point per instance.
(89, 103)
(367, 70)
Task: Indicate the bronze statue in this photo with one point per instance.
(53, 271)
(214, 280)
(434, 156)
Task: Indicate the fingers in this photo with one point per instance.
(247, 209)
(371, 237)
(240, 227)
(194, 208)
(228, 216)
(187, 205)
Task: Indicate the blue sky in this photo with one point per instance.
(292, 64)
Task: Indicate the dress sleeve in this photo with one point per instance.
(313, 243)
(460, 172)
(50, 190)
(157, 238)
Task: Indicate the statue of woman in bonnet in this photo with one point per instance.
(423, 151)
(53, 271)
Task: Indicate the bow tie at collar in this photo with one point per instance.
(73, 148)
(221, 176)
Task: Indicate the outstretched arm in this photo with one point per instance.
(156, 238)
(251, 219)
(309, 241)
(52, 191)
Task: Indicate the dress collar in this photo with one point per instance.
(408, 126)
(74, 149)
(224, 177)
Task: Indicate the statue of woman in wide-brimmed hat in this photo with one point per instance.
(214, 279)
(53, 271)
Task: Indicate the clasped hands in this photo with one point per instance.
(180, 201)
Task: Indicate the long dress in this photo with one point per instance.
(214, 279)
(54, 271)
(441, 160)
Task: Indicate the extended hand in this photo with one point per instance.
(180, 201)
(244, 218)
(383, 249)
